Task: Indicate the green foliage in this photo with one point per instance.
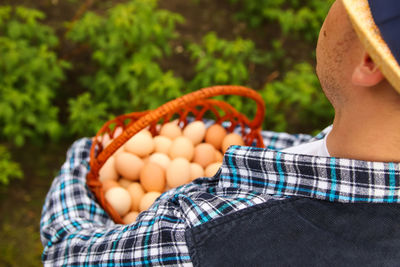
(294, 16)
(8, 169)
(297, 100)
(126, 45)
(221, 61)
(30, 75)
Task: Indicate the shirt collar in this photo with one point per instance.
(326, 178)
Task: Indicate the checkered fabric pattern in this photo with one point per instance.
(75, 230)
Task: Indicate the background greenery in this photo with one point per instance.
(68, 66)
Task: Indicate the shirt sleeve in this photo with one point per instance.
(76, 231)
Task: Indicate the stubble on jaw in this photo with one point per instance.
(331, 76)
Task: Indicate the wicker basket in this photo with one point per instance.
(195, 105)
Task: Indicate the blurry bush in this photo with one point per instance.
(126, 45)
(297, 100)
(30, 75)
(302, 18)
(8, 169)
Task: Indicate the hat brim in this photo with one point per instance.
(370, 36)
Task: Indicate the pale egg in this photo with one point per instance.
(141, 144)
(130, 217)
(215, 135)
(108, 184)
(136, 192)
(195, 131)
(162, 144)
(106, 140)
(204, 154)
(171, 130)
(212, 169)
(232, 139)
(148, 200)
(119, 199)
(108, 171)
(128, 165)
(161, 159)
(181, 147)
(118, 131)
(178, 172)
(152, 177)
(196, 171)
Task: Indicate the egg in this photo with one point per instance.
(215, 135)
(162, 144)
(108, 184)
(161, 159)
(128, 165)
(119, 199)
(171, 130)
(148, 200)
(181, 147)
(136, 192)
(204, 154)
(212, 169)
(178, 172)
(196, 171)
(218, 156)
(106, 140)
(152, 177)
(141, 144)
(195, 131)
(118, 131)
(130, 217)
(231, 140)
(108, 171)
(125, 183)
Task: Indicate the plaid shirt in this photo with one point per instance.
(75, 230)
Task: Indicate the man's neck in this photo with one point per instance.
(367, 135)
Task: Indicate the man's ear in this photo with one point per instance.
(367, 73)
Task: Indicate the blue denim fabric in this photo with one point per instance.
(300, 232)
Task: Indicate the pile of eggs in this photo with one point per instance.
(146, 166)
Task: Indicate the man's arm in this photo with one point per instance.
(75, 230)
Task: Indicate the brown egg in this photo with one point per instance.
(178, 172)
(218, 156)
(161, 159)
(141, 144)
(125, 183)
(212, 169)
(119, 199)
(181, 147)
(148, 200)
(136, 192)
(130, 217)
(196, 171)
(204, 154)
(171, 130)
(152, 177)
(108, 171)
(128, 165)
(162, 144)
(215, 135)
(232, 139)
(195, 131)
(107, 184)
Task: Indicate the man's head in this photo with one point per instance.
(346, 71)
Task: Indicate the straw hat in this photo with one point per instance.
(370, 20)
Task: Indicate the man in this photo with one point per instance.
(264, 207)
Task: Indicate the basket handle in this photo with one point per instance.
(175, 105)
